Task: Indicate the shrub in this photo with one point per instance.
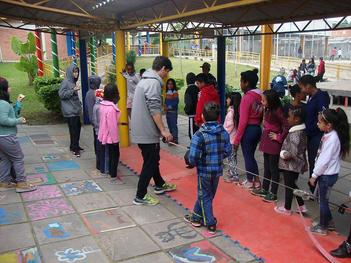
(229, 89)
(45, 81)
(179, 83)
(48, 95)
(111, 74)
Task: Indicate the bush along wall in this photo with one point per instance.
(47, 91)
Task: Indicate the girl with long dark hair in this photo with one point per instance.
(171, 108)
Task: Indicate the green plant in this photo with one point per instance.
(45, 81)
(179, 83)
(131, 57)
(111, 75)
(28, 61)
(48, 95)
(229, 89)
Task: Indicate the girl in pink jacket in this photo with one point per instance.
(108, 128)
(230, 125)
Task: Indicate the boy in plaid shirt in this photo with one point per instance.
(209, 146)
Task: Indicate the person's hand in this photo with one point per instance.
(76, 88)
(23, 120)
(167, 135)
(273, 136)
(312, 181)
(235, 148)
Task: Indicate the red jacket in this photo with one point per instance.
(321, 67)
(207, 94)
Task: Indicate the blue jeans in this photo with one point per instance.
(249, 143)
(325, 183)
(172, 123)
(206, 191)
(312, 149)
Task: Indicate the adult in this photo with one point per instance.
(132, 81)
(339, 54)
(11, 154)
(333, 53)
(249, 129)
(190, 101)
(207, 94)
(311, 67)
(71, 107)
(320, 70)
(147, 128)
(303, 67)
(206, 67)
(317, 101)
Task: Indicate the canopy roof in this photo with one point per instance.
(168, 16)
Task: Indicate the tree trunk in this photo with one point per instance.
(30, 79)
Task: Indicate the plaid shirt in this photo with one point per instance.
(209, 146)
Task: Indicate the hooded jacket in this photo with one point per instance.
(146, 103)
(190, 99)
(207, 94)
(70, 103)
(94, 84)
(109, 116)
(209, 146)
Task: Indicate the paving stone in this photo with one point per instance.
(62, 165)
(159, 257)
(41, 179)
(59, 228)
(173, 206)
(124, 171)
(106, 184)
(42, 192)
(82, 249)
(93, 201)
(12, 214)
(233, 249)
(343, 186)
(26, 255)
(54, 150)
(148, 214)
(70, 176)
(35, 168)
(9, 197)
(88, 155)
(172, 233)
(17, 236)
(106, 220)
(86, 164)
(80, 187)
(123, 197)
(126, 243)
(48, 208)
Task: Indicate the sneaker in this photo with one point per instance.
(257, 184)
(147, 200)
(343, 251)
(331, 225)
(247, 184)
(190, 166)
(319, 230)
(81, 149)
(165, 188)
(189, 219)
(212, 229)
(77, 153)
(23, 187)
(270, 198)
(282, 210)
(302, 209)
(259, 192)
(8, 185)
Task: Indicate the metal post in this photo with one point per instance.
(128, 41)
(164, 52)
(55, 61)
(122, 87)
(73, 45)
(266, 54)
(39, 53)
(92, 45)
(84, 77)
(114, 47)
(221, 60)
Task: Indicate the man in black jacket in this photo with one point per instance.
(190, 100)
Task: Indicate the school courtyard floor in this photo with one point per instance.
(77, 215)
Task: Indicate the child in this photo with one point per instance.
(132, 80)
(295, 103)
(171, 108)
(209, 146)
(293, 159)
(275, 129)
(334, 146)
(230, 125)
(108, 129)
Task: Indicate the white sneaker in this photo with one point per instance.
(247, 184)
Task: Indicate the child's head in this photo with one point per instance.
(190, 78)
(295, 92)
(130, 68)
(307, 84)
(330, 119)
(233, 99)
(141, 72)
(210, 112)
(201, 80)
(248, 80)
(296, 116)
(111, 93)
(271, 100)
(171, 84)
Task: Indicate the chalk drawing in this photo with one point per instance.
(55, 230)
(30, 255)
(71, 255)
(43, 192)
(50, 157)
(62, 165)
(41, 179)
(48, 208)
(10, 217)
(193, 255)
(77, 188)
(176, 229)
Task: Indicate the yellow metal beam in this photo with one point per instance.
(128, 41)
(266, 54)
(164, 52)
(201, 11)
(122, 88)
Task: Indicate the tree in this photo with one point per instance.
(28, 61)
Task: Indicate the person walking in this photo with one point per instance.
(190, 101)
(320, 70)
(147, 128)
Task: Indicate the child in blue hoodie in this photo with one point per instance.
(209, 146)
(171, 108)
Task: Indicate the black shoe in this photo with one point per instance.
(77, 153)
(343, 251)
(80, 149)
(190, 166)
(212, 229)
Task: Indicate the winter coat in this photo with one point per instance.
(190, 99)
(207, 94)
(229, 124)
(293, 152)
(109, 116)
(70, 103)
(94, 84)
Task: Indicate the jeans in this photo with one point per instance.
(312, 149)
(290, 179)
(249, 143)
(271, 172)
(150, 169)
(232, 159)
(172, 123)
(325, 183)
(206, 191)
(74, 127)
(102, 158)
(192, 126)
(113, 158)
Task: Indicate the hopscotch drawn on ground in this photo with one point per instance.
(50, 157)
(71, 255)
(35, 169)
(41, 179)
(62, 165)
(43, 192)
(10, 216)
(55, 230)
(77, 188)
(176, 229)
(29, 255)
(48, 208)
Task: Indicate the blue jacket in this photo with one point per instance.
(209, 146)
(314, 105)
